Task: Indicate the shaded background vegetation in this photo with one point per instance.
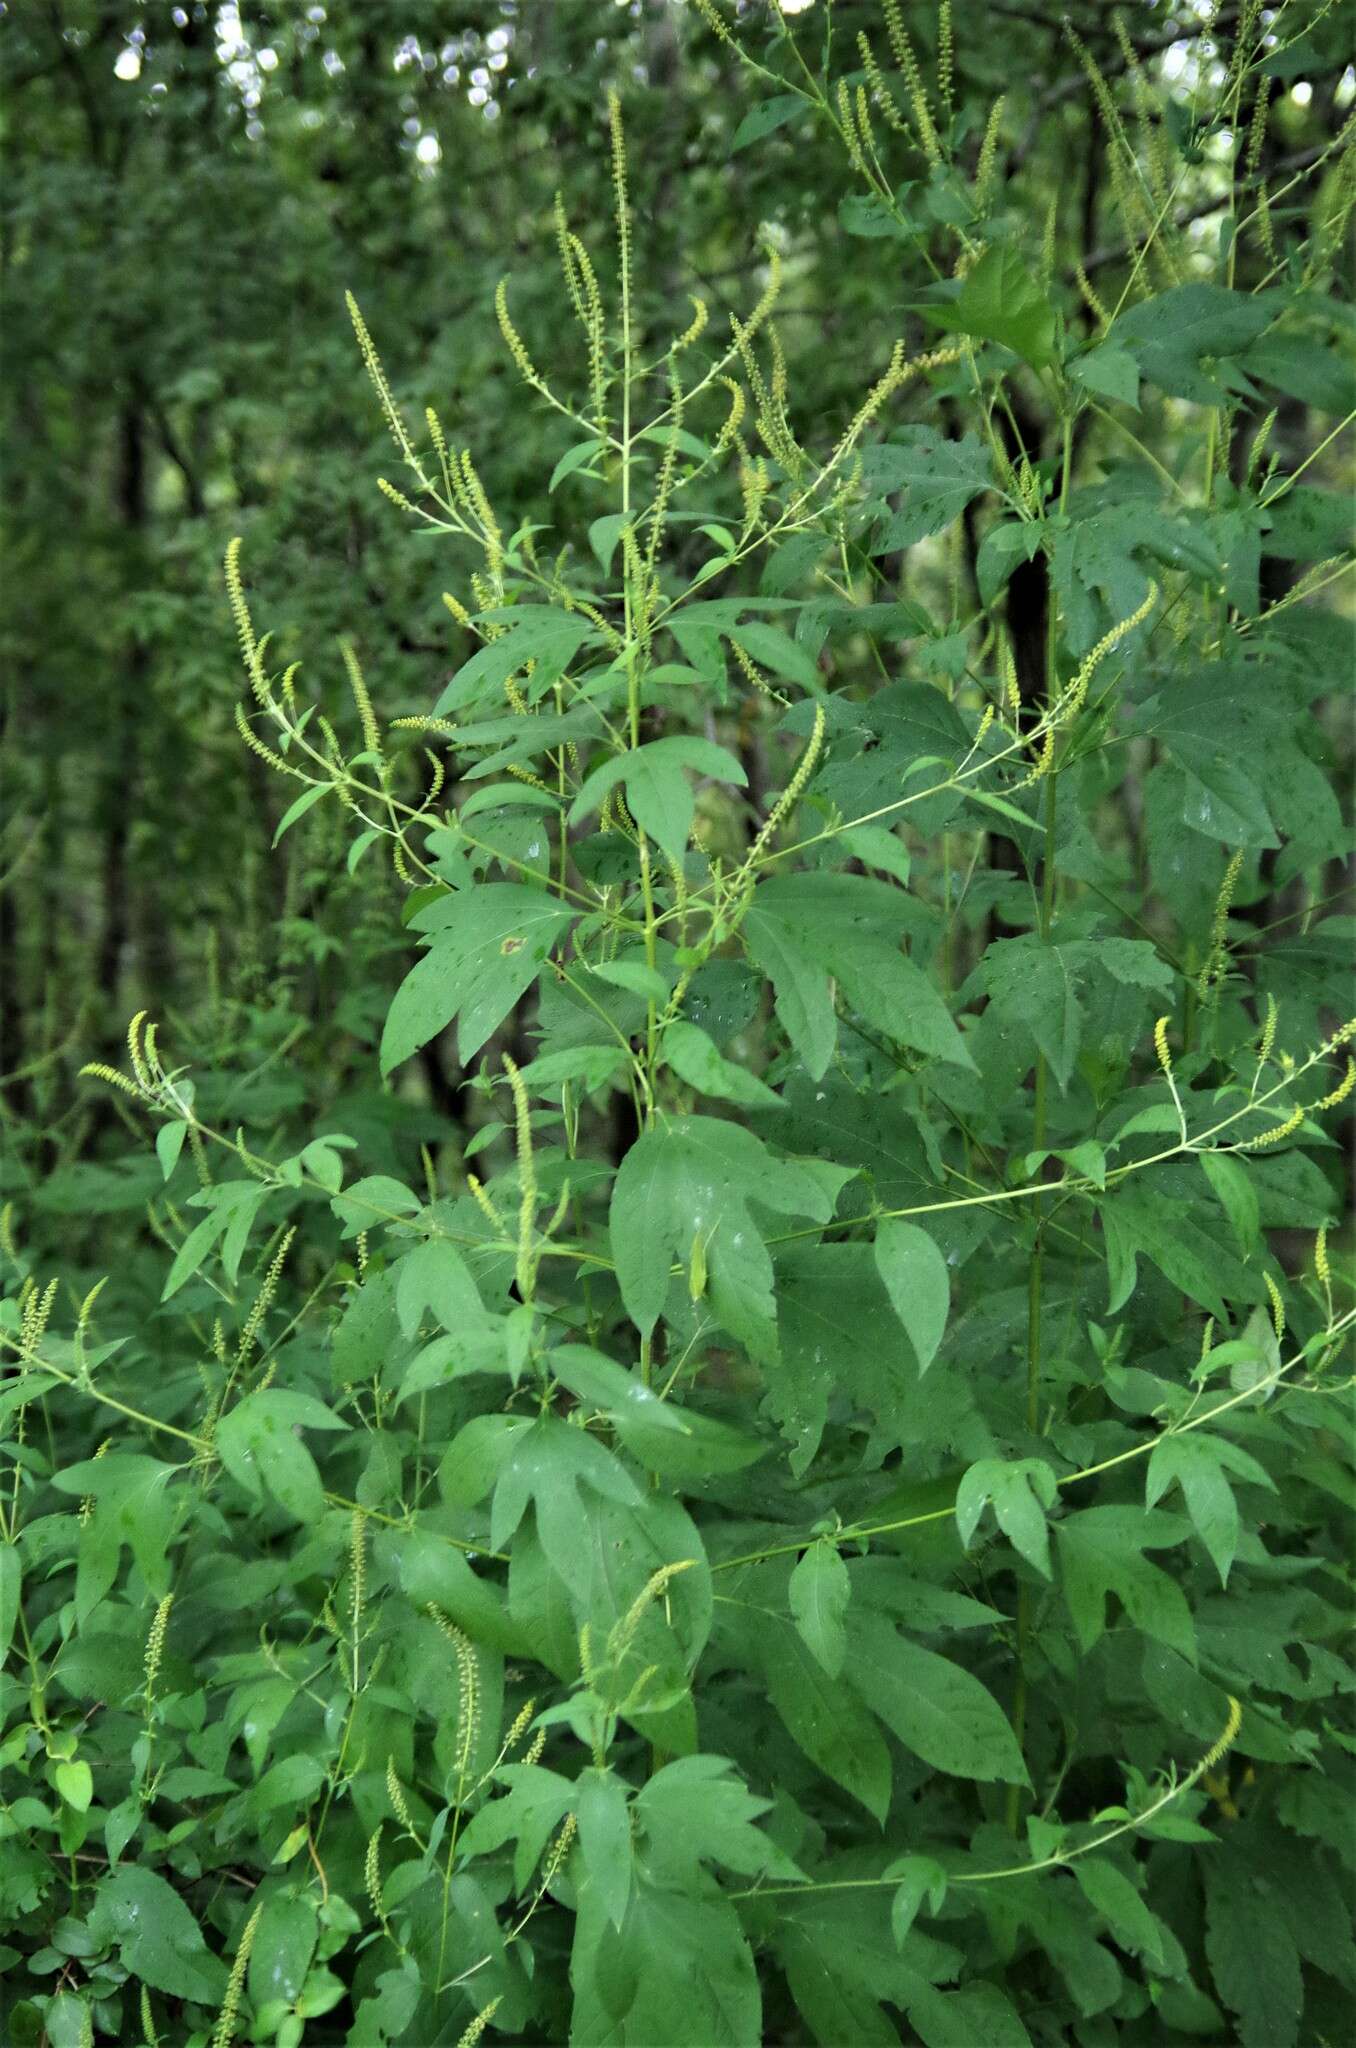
(189, 190)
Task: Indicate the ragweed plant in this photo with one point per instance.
(818, 1519)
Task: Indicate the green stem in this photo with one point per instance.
(1057, 1861)
(860, 1532)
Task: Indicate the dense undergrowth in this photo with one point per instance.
(829, 1521)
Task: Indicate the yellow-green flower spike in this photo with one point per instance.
(1277, 1306)
(880, 91)
(710, 15)
(395, 1792)
(154, 1645)
(367, 717)
(372, 1874)
(1161, 1045)
(479, 2023)
(1228, 1736)
(1341, 1091)
(224, 2032)
(1217, 952)
(1275, 1134)
(525, 1270)
(513, 341)
(986, 167)
(244, 625)
(695, 328)
(381, 384)
(946, 56)
(1089, 296)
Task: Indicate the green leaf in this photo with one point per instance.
(169, 1143)
(283, 1948)
(877, 847)
(823, 1715)
(604, 534)
(764, 119)
(1002, 548)
(919, 1878)
(486, 948)
(547, 1464)
(605, 1840)
(1309, 525)
(977, 2013)
(548, 638)
(806, 931)
(1252, 1954)
(904, 739)
(696, 1060)
(1020, 1493)
(844, 1966)
(1111, 1894)
(1101, 1551)
(375, 1199)
(664, 1435)
(528, 1814)
(635, 977)
(75, 1782)
(936, 1707)
(693, 1180)
(1171, 335)
(1226, 726)
(697, 1810)
(1110, 371)
(134, 1504)
(869, 215)
(818, 1591)
(999, 300)
(917, 1282)
(367, 1332)
(258, 1440)
(574, 458)
(680, 438)
(194, 1250)
(679, 1970)
(359, 848)
(386, 2014)
(803, 989)
(937, 477)
(840, 1341)
(1139, 1218)
(242, 1201)
(791, 563)
(1097, 563)
(775, 652)
(658, 793)
(1196, 1463)
(433, 1278)
(11, 1582)
(305, 802)
(599, 1582)
(428, 1569)
(1255, 1357)
(474, 1458)
(67, 2021)
(158, 1939)
(501, 796)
